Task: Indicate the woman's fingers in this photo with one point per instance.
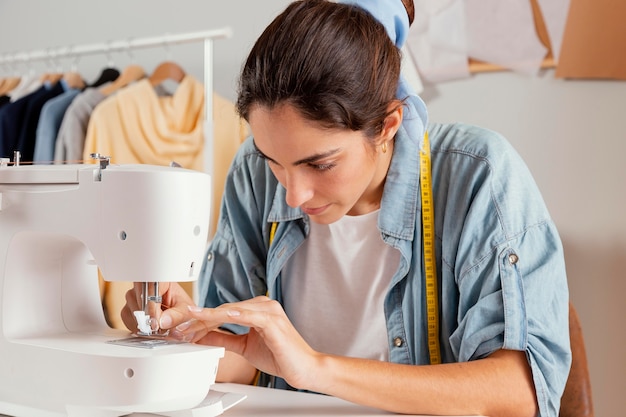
(127, 311)
(272, 344)
(260, 313)
(172, 295)
(229, 341)
(138, 294)
(192, 323)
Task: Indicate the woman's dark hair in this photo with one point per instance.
(332, 62)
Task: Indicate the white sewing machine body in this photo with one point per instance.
(58, 224)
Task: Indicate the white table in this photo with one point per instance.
(263, 402)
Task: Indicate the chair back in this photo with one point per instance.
(577, 400)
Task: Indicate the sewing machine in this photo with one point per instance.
(58, 225)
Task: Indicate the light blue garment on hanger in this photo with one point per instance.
(48, 126)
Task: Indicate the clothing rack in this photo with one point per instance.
(137, 43)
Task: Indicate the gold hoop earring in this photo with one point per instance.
(383, 147)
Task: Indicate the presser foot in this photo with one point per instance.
(147, 326)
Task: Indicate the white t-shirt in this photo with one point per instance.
(335, 284)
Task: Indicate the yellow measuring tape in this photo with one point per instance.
(273, 232)
(430, 262)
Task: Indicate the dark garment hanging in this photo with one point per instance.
(11, 122)
(4, 100)
(28, 134)
(107, 75)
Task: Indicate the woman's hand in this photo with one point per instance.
(174, 298)
(272, 345)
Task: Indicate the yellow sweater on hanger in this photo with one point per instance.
(135, 125)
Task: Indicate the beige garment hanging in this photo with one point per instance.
(135, 125)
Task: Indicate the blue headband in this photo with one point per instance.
(393, 16)
(391, 13)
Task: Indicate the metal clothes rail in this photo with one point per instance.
(138, 43)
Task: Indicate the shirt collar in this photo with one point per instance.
(400, 203)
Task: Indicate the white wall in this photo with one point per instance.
(569, 132)
(28, 25)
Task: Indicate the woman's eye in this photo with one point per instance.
(322, 167)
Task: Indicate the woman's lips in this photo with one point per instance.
(314, 211)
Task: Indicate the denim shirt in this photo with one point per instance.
(500, 265)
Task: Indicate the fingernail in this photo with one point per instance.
(233, 313)
(165, 322)
(194, 309)
(154, 324)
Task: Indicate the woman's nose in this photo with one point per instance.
(299, 191)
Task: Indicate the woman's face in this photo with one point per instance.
(327, 173)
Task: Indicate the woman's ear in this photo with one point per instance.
(392, 122)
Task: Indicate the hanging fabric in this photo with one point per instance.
(137, 126)
(52, 114)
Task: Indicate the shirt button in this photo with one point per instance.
(209, 257)
(513, 259)
(397, 342)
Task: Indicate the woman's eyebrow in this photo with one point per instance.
(307, 160)
(261, 153)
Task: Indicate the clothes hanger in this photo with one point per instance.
(50, 77)
(167, 70)
(108, 74)
(74, 80)
(9, 84)
(129, 75)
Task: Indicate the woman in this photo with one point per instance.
(322, 213)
